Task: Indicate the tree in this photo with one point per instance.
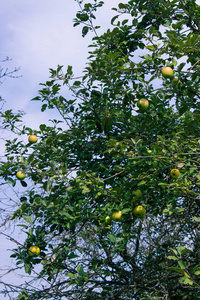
(91, 162)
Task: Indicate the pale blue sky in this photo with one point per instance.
(39, 35)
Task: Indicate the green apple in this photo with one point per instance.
(117, 216)
(167, 72)
(139, 211)
(143, 104)
(32, 139)
(175, 173)
(137, 194)
(34, 251)
(176, 83)
(20, 175)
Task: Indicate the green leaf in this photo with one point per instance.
(196, 219)
(23, 183)
(172, 257)
(11, 181)
(174, 61)
(151, 47)
(180, 249)
(182, 265)
(186, 280)
(173, 250)
(112, 238)
(176, 270)
(184, 251)
(142, 182)
(80, 270)
(71, 275)
(126, 210)
(85, 31)
(147, 57)
(113, 19)
(27, 268)
(27, 218)
(30, 158)
(42, 127)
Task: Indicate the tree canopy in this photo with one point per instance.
(108, 154)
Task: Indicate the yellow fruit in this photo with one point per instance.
(99, 223)
(34, 251)
(149, 151)
(108, 220)
(20, 175)
(175, 173)
(117, 216)
(143, 104)
(139, 211)
(32, 139)
(167, 72)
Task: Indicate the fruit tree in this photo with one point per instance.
(87, 166)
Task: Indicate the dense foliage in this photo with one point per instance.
(105, 155)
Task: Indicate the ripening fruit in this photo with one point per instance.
(139, 211)
(20, 175)
(167, 72)
(175, 173)
(32, 139)
(143, 104)
(117, 216)
(137, 194)
(176, 83)
(108, 220)
(149, 151)
(34, 251)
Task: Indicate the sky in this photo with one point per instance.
(38, 35)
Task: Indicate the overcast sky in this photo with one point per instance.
(38, 35)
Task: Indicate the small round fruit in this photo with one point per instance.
(143, 104)
(139, 211)
(108, 220)
(137, 194)
(167, 72)
(34, 251)
(20, 175)
(117, 216)
(32, 139)
(176, 83)
(149, 151)
(175, 173)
